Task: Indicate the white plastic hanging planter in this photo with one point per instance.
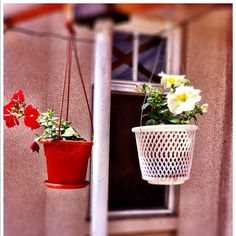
(165, 152)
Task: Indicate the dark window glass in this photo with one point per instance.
(127, 190)
(151, 58)
(122, 56)
(151, 49)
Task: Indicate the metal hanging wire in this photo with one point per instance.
(75, 40)
(157, 59)
(41, 34)
(168, 15)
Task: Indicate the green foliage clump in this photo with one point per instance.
(50, 124)
(156, 108)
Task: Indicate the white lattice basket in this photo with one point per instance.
(165, 152)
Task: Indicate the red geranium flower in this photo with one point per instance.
(31, 116)
(9, 116)
(18, 97)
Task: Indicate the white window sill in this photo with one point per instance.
(161, 223)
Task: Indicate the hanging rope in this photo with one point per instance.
(71, 46)
(67, 72)
(30, 32)
(71, 35)
(83, 85)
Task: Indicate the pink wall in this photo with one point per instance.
(36, 66)
(205, 201)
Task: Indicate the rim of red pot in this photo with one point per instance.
(66, 142)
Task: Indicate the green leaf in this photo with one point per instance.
(175, 120)
(153, 115)
(70, 132)
(163, 111)
(150, 122)
(185, 122)
(144, 87)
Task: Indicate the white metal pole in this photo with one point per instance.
(135, 56)
(101, 114)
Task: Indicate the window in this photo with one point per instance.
(135, 59)
(100, 160)
(127, 191)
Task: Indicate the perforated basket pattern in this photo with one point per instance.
(165, 154)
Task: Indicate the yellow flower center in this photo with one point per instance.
(182, 97)
(172, 80)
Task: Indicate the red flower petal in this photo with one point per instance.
(18, 97)
(9, 116)
(8, 108)
(35, 125)
(31, 116)
(11, 121)
(31, 112)
(31, 122)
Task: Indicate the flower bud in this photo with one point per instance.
(34, 147)
(204, 108)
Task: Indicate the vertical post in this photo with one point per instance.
(101, 111)
(135, 56)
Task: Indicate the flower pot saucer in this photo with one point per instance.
(66, 186)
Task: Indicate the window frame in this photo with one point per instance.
(127, 87)
(170, 210)
(172, 62)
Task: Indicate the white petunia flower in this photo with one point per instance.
(204, 108)
(169, 80)
(183, 99)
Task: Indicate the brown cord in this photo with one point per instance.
(69, 76)
(71, 45)
(82, 82)
(68, 49)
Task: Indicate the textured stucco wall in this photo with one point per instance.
(207, 66)
(36, 66)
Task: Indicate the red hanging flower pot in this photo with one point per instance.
(67, 153)
(67, 160)
(67, 163)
